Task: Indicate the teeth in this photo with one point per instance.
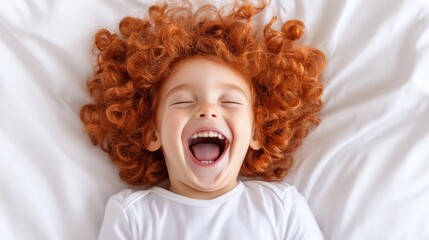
(206, 162)
(208, 134)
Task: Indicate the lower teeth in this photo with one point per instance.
(206, 162)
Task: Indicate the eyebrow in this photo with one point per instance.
(225, 86)
(234, 87)
(177, 88)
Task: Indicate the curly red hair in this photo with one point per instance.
(132, 66)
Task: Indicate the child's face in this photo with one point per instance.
(205, 127)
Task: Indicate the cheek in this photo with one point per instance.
(242, 123)
(172, 124)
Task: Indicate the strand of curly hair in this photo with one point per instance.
(132, 65)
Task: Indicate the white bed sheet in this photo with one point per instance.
(364, 170)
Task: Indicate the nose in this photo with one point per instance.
(207, 111)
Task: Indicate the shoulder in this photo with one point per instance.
(276, 196)
(121, 220)
(128, 197)
(297, 220)
(279, 190)
(284, 193)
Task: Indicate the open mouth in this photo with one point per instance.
(207, 147)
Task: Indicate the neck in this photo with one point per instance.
(190, 192)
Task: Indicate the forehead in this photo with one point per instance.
(204, 73)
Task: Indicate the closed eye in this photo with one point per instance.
(232, 102)
(181, 102)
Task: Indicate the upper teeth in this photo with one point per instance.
(207, 134)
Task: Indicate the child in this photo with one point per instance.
(195, 99)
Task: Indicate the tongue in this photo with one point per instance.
(205, 151)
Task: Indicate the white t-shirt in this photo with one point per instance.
(252, 210)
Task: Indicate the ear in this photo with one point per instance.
(153, 140)
(255, 143)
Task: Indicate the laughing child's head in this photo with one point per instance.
(200, 97)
